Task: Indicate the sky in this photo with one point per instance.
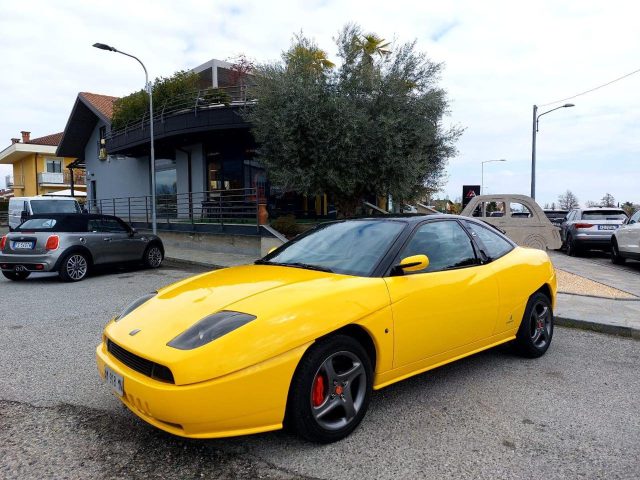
(500, 58)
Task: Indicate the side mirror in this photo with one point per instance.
(132, 232)
(414, 263)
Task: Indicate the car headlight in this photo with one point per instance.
(209, 328)
(135, 304)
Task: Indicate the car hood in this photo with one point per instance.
(292, 306)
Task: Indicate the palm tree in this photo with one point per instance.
(312, 56)
(371, 44)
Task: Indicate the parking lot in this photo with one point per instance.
(570, 414)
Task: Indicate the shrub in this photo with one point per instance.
(286, 225)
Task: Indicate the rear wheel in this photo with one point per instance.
(16, 276)
(331, 389)
(152, 256)
(536, 329)
(573, 250)
(74, 267)
(615, 253)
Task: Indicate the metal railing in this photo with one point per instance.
(61, 178)
(14, 180)
(223, 207)
(194, 101)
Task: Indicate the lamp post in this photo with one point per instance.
(149, 90)
(482, 178)
(536, 119)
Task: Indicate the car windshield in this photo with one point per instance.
(604, 215)
(351, 247)
(54, 206)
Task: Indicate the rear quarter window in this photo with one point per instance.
(39, 224)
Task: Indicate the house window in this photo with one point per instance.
(53, 165)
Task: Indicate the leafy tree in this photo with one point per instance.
(135, 106)
(608, 200)
(568, 200)
(630, 208)
(370, 126)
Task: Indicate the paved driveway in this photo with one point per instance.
(570, 414)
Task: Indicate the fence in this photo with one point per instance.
(223, 207)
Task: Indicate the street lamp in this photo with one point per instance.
(536, 118)
(149, 89)
(482, 181)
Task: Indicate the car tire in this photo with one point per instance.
(572, 248)
(536, 329)
(153, 256)
(16, 276)
(616, 257)
(74, 267)
(330, 390)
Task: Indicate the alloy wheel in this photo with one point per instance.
(76, 267)
(540, 325)
(154, 257)
(338, 390)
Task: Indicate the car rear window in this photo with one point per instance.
(39, 224)
(54, 206)
(604, 215)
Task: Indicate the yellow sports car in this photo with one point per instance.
(303, 336)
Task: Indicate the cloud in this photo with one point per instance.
(500, 58)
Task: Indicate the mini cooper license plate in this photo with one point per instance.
(17, 245)
(115, 381)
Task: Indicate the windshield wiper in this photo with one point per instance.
(306, 266)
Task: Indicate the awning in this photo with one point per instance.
(66, 193)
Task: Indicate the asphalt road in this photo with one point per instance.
(572, 414)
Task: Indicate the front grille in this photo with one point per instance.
(139, 364)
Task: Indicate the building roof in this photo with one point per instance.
(52, 140)
(88, 110)
(102, 103)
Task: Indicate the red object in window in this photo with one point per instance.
(584, 225)
(52, 242)
(3, 242)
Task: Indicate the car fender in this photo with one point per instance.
(73, 249)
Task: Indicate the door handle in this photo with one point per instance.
(108, 239)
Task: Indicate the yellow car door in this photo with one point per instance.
(451, 303)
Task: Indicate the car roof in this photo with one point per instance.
(58, 216)
(43, 197)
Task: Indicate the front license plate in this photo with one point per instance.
(115, 381)
(607, 227)
(28, 245)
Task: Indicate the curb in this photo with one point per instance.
(618, 330)
(193, 262)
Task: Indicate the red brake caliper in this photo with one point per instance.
(317, 393)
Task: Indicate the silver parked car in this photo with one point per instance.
(590, 228)
(71, 244)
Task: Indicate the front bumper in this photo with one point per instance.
(33, 263)
(249, 401)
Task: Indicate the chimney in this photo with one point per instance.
(15, 140)
(25, 136)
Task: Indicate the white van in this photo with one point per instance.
(21, 208)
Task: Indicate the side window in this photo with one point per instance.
(94, 225)
(496, 245)
(445, 243)
(519, 210)
(495, 209)
(111, 225)
(635, 218)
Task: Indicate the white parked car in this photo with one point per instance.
(21, 208)
(625, 241)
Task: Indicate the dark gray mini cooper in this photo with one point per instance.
(71, 244)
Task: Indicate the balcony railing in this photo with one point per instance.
(223, 207)
(61, 178)
(14, 181)
(191, 102)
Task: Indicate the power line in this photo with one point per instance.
(592, 89)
